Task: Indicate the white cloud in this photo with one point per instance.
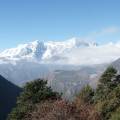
(93, 55)
(110, 30)
(105, 31)
(73, 51)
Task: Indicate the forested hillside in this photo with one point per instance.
(40, 102)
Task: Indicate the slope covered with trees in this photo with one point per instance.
(106, 98)
(39, 102)
(33, 93)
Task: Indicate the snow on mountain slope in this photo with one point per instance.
(31, 50)
(73, 51)
(43, 51)
(40, 59)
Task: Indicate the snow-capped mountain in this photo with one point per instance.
(44, 51)
(73, 51)
(76, 61)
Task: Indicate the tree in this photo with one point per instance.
(107, 95)
(33, 92)
(106, 84)
(108, 75)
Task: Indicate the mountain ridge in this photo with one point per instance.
(43, 51)
(73, 51)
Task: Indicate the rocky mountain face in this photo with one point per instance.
(70, 82)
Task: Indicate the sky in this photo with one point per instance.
(22, 21)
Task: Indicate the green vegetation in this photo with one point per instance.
(107, 94)
(39, 102)
(33, 92)
(86, 94)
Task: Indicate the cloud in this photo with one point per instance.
(110, 30)
(103, 32)
(93, 55)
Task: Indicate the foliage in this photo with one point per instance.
(61, 110)
(115, 115)
(108, 75)
(105, 100)
(39, 102)
(106, 85)
(107, 95)
(33, 92)
(85, 95)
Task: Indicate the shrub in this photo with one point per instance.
(85, 95)
(84, 104)
(61, 110)
(115, 115)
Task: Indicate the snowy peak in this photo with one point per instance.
(42, 51)
(32, 49)
(73, 51)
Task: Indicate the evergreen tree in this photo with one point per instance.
(107, 95)
(33, 92)
(106, 84)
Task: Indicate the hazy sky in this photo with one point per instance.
(27, 20)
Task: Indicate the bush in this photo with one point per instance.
(85, 95)
(52, 110)
(115, 115)
(61, 110)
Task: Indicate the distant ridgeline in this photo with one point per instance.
(8, 95)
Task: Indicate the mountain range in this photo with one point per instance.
(73, 51)
(67, 65)
(44, 52)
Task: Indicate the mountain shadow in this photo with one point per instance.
(8, 96)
